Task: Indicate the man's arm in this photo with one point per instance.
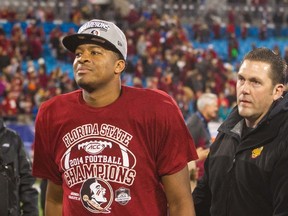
(202, 195)
(28, 195)
(54, 196)
(178, 193)
(279, 183)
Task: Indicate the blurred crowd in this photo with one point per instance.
(161, 55)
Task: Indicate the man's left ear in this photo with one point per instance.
(120, 66)
(278, 91)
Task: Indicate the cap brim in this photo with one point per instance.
(71, 42)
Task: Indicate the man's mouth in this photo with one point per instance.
(82, 70)
(244, 102)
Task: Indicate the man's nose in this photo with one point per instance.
(245, 88)
(84, 57)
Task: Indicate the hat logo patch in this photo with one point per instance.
(95, 32)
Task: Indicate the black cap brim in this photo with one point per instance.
(71, 42)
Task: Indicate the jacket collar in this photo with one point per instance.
(278, 106)
(234, 125)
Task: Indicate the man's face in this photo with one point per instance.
(94, 67)
(255, 92)
(211, 110)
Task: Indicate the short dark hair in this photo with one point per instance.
(118, 55)
(277, 63)
(115, 50)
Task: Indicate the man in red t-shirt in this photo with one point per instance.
(109, 148)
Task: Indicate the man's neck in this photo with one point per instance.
(101, 99)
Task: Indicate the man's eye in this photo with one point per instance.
(78, 54)
(94, 53)
(255, 82)
(241, 79)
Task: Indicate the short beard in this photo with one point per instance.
(87, 87)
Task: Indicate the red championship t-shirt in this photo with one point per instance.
(109, 159)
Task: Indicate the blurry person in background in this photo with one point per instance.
(197, 123)
(17, 194)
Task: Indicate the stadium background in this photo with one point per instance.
(210, 34)
(184, 47)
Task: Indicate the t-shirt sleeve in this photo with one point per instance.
(44, 165)
(176, 146)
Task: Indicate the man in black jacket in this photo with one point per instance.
(246, 169)
(17, 195)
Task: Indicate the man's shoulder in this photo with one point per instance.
(148, 95)
(146, 91)
(9, 134)
(193, 120)
(152, 100)
(61, 99)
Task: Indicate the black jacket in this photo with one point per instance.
(198, 128)
(17, 195)
(247, 175)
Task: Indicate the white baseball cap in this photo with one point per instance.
(100, 32)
